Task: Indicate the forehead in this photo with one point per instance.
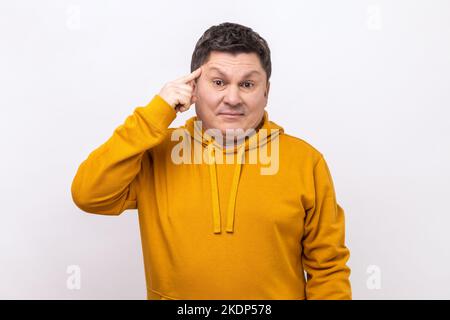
(228, 63)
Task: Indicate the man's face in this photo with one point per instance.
(231, 92)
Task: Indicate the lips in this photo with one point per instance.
(231, 114)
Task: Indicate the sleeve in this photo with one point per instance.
(105, 182)
(324, 253)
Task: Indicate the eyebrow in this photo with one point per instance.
(245, 75)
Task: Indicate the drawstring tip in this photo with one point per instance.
(229, 227)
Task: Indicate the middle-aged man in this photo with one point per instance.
(215, 223)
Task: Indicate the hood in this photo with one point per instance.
(198, 135)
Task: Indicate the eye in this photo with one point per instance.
(218, 82)
(248, 84)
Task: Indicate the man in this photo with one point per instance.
(214, 229)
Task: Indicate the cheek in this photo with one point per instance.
(257, 101)
(208, 98)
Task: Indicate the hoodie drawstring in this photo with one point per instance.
(215, 191)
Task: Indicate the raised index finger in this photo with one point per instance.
(194, 75)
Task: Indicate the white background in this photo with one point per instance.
(365, 82)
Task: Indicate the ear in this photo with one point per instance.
(194, 91)
(195, 85)
(266, 93)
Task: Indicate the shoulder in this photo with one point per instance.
(300, 147)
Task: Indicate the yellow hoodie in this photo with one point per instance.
(214, 229)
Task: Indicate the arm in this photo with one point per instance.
(105, 182)
(324, 251)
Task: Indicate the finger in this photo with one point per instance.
(192, 76)
(178, 108)
(183, 101)
(181, 108)
(184, 87)
(184, 92)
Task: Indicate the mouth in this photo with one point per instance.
(231, 115)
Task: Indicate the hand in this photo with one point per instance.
(179, 93)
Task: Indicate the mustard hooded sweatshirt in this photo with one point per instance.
(213, 229)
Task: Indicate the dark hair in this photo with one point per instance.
(233, 38)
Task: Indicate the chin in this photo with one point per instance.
(233, 126)
(229, 123)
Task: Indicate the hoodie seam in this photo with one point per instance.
(318, 161)
(302, 297)
(164, 295)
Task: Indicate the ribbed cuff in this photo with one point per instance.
(159, 113)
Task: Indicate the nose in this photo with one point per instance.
(232, 96)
